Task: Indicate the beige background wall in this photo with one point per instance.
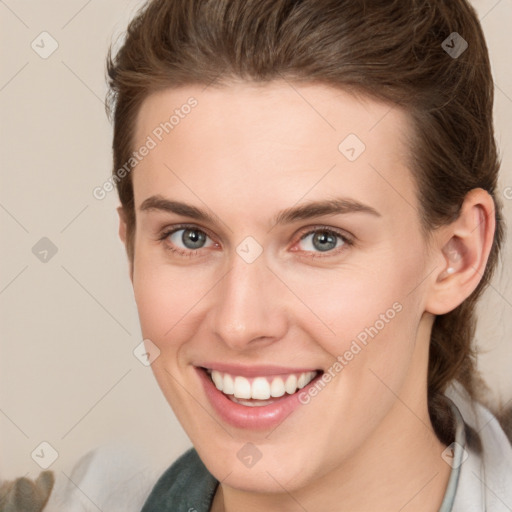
(69, 325)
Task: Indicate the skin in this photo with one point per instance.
(365, 442)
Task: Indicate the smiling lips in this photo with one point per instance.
(260, 387)
(272, 392)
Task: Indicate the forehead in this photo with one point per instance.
(276, 142)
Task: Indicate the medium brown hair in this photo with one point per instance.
(390, 50)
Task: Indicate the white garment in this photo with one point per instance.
(485, 481)
(115, 477)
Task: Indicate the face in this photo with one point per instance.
(337, 289)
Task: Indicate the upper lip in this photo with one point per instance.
(254, 370)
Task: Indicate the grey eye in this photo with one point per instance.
(323, 240)
(191, 238)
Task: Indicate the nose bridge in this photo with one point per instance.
(246, 307)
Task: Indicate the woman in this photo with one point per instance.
(309, 207)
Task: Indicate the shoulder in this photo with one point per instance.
(114, 477)
(185, 486)
(119, 477)
(485, 481)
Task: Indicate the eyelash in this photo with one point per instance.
(347, 242)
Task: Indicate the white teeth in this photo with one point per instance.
(277, 388)
(291, 384)
(303, 380)
(217, 379)
(260, 388)
(247, 403)
(228, 386)
(242, 387)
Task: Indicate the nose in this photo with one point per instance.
(249, 308)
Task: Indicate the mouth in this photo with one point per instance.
(259, 402)
(259, 390)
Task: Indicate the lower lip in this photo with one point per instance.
(253, 418)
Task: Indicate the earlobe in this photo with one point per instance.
(464, 248)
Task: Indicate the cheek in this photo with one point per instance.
(374, 319)
(165, 297)
(369, 314)
(351, 300)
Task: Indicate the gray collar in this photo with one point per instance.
(454, 455)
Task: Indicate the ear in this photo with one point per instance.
(122, 235)
(461, 251)
(122, 224)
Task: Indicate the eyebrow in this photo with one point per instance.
(304, 211)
